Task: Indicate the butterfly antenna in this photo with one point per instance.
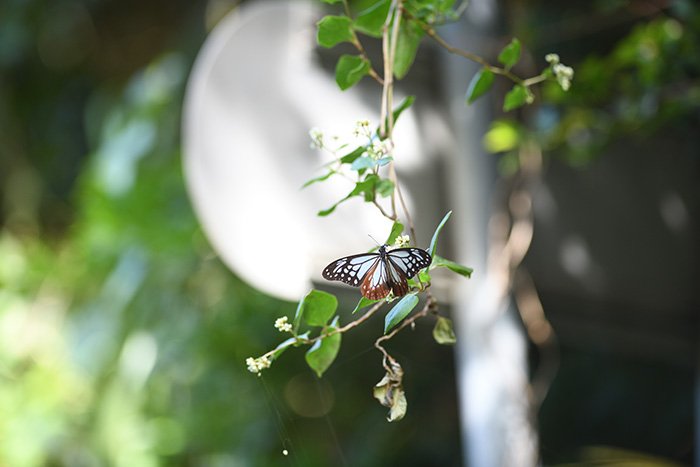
(375, 240)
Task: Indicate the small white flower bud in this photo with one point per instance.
(316, 136)
(552, 59)
(282, 325)
(402, 241)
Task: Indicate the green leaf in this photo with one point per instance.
(444, 6)
(292, 341)
(479, 85)
(433, 241)
(424, 276)
(364, 162)
(443, 332)
(279, 350)
(316, 308)
(372, 16)
(503, 135)
(396, 230)
(351, 157)
(400, 311)
(366, 187)
(405, 104)
(349, 70)
(364, 302)
(516, 97)
(510, 54)
(318, 179)
(410, 35)
(328, 211)
(321, 355)
(331, 2)
(439, 261)
(385, 187)
(333, 30)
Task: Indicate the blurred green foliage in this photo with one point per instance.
(123, 338)
(124, 343)
(634, 78)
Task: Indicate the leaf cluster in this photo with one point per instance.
(647, 82)
(416, 19)
(361, 164)
(372, 18)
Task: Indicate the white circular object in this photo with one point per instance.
(254, 93)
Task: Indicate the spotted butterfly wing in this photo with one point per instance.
(409, 260)
(377, 274)
(376, 284)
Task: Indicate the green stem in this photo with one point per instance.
(480, 60)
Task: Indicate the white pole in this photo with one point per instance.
(491, 351)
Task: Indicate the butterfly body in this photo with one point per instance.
(379, 273)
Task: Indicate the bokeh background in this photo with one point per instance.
(123, 337)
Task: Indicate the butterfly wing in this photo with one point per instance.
(375, 284)
(351, 269)
(397, 279)
(408, 261)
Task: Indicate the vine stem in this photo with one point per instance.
(390, 39)
(385, 114)
(391, 217)
(481, 61)
(347, 327)
(429, 305)
(397, 14)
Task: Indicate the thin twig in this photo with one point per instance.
(348, 326)
(396, 27)
(407, 322)
(372, 73)
(411, 227)
(478, 59)
(391, 217)
(388, 73)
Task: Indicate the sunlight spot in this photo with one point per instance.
(169, 435)
(138, 358)
(118, 157)
(544, 204)
(674, 212)
(309, 397)
(574, 256)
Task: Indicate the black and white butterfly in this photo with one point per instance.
(379, 273)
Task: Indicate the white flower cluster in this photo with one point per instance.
(402, 241)
(361, 128)
(564, 74)
(316, 136)
(256, 365)
(378, 149)
(283, 325)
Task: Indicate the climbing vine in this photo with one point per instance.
(401, 26)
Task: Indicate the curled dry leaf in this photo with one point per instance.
(443, 332)
(389, 392)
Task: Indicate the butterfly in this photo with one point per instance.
(379, 273)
